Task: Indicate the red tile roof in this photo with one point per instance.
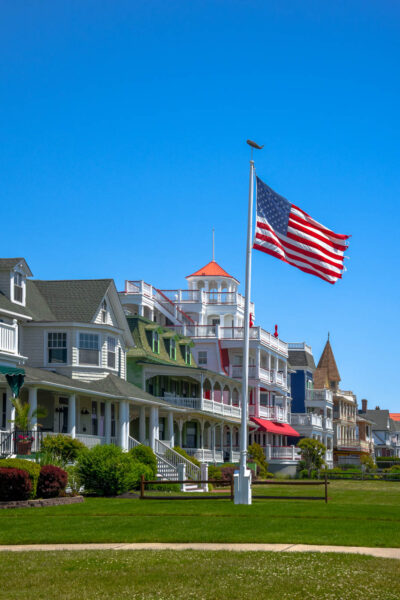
(212, 269)
(395, 416)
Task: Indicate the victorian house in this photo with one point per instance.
(312, 408)
(210, 311)
(348, 444)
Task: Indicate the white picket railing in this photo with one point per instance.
(172, 457)
(282, 453)
(194, 403)
(205, 454)
(9, 338)
(132, 443)
(219, 408)
(90, 440)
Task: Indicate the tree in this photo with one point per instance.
(23, 420)
(312, 452)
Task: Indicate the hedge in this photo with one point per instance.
(52, 482)
(32, 468)
(15, 484)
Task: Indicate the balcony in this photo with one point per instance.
(328, 423)
(210, 406)
(307, 419)
(215, 297)
(272, 413)
(319, 396)
(9, 338)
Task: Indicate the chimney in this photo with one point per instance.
(364, 404)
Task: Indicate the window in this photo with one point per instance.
(202, 357)
(57, 348)
(104, 312)
(111, 352)
(3, 413)
(156, 342)
(172, 349)
(188, 355)
(215, 321)
(18, 291)
(88, 349)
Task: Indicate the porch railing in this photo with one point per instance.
(9, 338)
(219, 408)
(90, 440)
(171, 456)
(282, 453)
(205, 454)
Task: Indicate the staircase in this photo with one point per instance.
(167, 464)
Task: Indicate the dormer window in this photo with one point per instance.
(18, 288)
(156, 342)
(188, 355)
(104, 311)
(172, 349)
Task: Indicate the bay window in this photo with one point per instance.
(56, 348)
(89, 353)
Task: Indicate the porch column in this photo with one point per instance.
(153, 426)
(33, 406)
(231, 442)
(213, 440)
(142, 424)
(123, 424)
(171, 435)
(201, 391)
(180, 425)
(10, 411)
(107, 424)
(72, 415)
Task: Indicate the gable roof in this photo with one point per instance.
(301, 358)
(11, 307)
(68, 300)
(326, 370)
(379, 417)
(211, 269)
(9, 263)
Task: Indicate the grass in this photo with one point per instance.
(360, 513)
(172, 575)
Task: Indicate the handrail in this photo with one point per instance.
(132, 443)
(174, 458)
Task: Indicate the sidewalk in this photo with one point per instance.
(378, 552)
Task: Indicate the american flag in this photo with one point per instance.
(290, 234)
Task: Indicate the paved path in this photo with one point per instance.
(379, 552)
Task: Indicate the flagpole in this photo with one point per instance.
(243, 481)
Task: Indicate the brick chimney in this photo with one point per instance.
(364, 404)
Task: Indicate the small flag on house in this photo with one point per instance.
(290, 234)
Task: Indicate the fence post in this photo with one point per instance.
(141, 487)
(326, 487)
(204, 476)
(182, 475)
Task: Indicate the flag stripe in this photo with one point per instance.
(296, 256)
(304, 269)
(304, 246)
(338, 236)
(298, 224)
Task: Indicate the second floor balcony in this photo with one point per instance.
(265, 375)
(203, 404)
(9, 338)
(272, 413)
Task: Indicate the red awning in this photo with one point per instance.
(273, 427)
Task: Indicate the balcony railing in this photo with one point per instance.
(282, 453)
(307, 419)
(319, 396)
(9, 338)
(218, 408)
(272, 413)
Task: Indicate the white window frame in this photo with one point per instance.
(104, 311)
(202, 357)
(14, 275)
(88, 364)
(47, 348)
(114, 352)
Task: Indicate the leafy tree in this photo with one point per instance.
(256, 453)
(312, 452)
(368, 462)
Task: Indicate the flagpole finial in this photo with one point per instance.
(254, 145)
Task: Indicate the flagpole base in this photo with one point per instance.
(242, 486)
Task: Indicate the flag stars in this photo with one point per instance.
(273, 207)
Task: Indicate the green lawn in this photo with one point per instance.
(172, 575)
(359, 513)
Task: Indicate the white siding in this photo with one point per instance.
(111, 319)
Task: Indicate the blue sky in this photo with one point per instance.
(122, 143)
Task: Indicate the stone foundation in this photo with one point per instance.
(41, 502)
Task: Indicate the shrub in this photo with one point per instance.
(227, 472)
(186, 455)
(62, 448)
(15, 484)
(74, 482)
(303, 474)
(108, 471)
(368, 462)
(256, 453)
(214, 472)
(52, 482)
(146, 456)
(32, 468)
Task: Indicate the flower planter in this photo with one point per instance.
(24, 447)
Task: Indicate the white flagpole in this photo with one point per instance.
(243, 485)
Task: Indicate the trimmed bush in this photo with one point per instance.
(62, 448)
(145, 455)
(183, 453)
(108, 471)
(15, 484)
(256, 454)
(32, 468)
(52, 482)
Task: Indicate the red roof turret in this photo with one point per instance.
(212, 269)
